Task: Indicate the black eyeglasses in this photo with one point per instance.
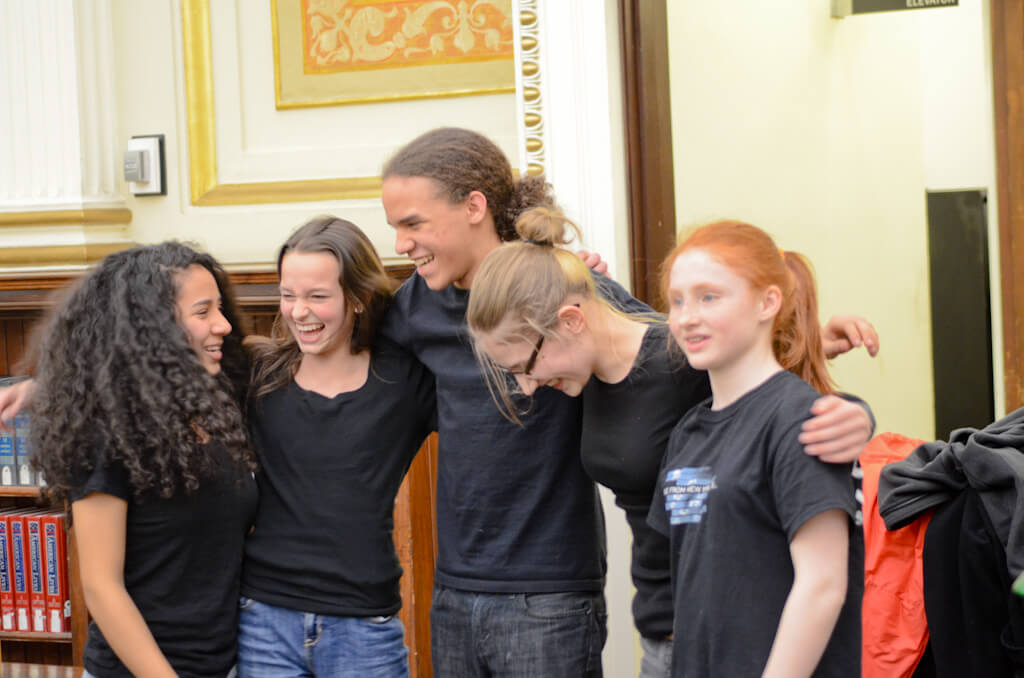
(533, 356)
(532, 361)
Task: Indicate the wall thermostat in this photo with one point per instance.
(144, 166)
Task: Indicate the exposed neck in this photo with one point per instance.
(484, 242)
(731, 382)
(617, 340)
(339, 371)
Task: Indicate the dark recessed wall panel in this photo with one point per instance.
(961, 318)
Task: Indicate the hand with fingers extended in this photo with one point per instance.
(838, 431)
(844, 333)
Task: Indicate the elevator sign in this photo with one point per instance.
(841, 8)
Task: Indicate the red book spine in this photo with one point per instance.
(37, 572)
(6, 587)
(65, 575)
(54, 565)
(20, 573)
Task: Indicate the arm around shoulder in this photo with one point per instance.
(100, 523)
(839, 429)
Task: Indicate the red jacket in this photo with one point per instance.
(895, 631)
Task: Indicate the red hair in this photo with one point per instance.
(751, 253)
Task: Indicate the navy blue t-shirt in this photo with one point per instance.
(516, 513)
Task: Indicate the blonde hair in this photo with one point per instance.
(527, 282)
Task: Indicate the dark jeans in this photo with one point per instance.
(517, 635)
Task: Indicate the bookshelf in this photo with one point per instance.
(19, 670)
(63, 649)
(23, 300)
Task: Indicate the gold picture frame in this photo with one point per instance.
(202, 136)
(359, 51)
(205, 186)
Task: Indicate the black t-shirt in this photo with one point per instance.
(515, 510)
(735, 488)
(182, 560)
(626, 426)
(330, 470)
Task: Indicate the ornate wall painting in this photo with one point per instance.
(329, 52)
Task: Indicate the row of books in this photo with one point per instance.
(33, 571)
(14, 452)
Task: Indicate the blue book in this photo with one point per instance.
(7, 468)
(25, 476)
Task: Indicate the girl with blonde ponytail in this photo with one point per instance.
(538, 318)
(767, 556)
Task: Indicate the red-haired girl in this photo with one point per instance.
(766, 557)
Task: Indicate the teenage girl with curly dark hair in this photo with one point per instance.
(336, 417)
(138, 423)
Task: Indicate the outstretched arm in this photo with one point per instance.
(841, 428)
(15, 398)
(819, 552)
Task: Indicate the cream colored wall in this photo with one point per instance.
(814, 129)
(255, 142)
(959, 133)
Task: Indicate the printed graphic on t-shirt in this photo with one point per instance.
(686, 493)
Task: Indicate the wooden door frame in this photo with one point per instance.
(648, 135)
(1007, 22)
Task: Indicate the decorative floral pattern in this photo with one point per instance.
(347, 35)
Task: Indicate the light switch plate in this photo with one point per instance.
(151, 145)
(136, 166)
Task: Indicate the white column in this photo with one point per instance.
(59, 186)
(580, 106)
(570, 98)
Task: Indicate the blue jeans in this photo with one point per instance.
(274, 642)
(517, 635)
(86, 674)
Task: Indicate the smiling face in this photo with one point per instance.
(714, 314)
(198, 308)
(557, 364)
(313, 304)
(446, 241)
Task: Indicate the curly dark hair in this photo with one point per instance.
(117, 379)
(364, 282)
(463, 161)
